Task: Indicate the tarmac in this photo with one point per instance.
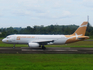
(49, 50)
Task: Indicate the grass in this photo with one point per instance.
(46, 61)
(1, 38)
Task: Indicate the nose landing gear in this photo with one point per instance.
(14, 46)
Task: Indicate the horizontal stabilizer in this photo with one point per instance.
(83, 37)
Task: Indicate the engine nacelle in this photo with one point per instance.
(33, 45)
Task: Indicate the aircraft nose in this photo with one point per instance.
(3, 40)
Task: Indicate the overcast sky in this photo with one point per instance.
(22, 13)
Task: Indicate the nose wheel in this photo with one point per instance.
(14, 46)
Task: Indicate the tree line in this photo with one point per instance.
(51, 29)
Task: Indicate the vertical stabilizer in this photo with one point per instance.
(81, 30)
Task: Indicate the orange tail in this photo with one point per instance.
(81, 30)
(79, 34)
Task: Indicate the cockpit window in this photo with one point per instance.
(7, 37)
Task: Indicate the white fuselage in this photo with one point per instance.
(25, 39)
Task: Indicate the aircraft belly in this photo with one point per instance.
(60, 41)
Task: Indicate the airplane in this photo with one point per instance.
(36, 41)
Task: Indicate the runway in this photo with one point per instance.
(49, 50)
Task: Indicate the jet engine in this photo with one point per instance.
(33, 45)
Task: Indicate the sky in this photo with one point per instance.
(23, 13)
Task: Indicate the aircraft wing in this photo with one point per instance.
(43, 42)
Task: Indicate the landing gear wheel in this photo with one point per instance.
(14, 46)
(43, 47)
(39, 45)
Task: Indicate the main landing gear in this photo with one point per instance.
(43, 47)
